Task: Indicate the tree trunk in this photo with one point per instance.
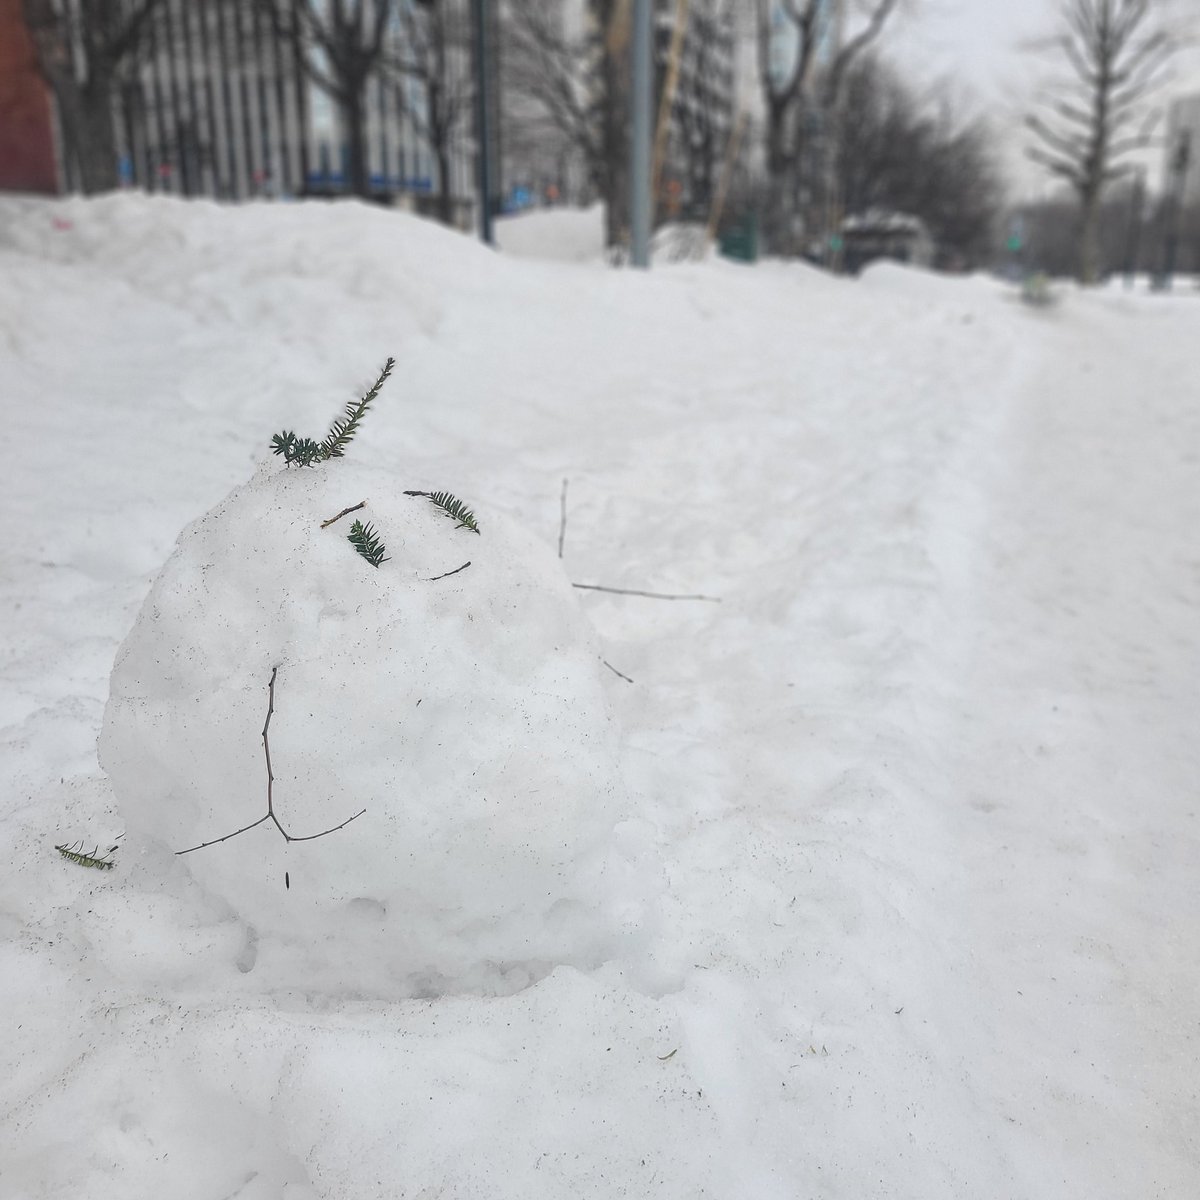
(1089, 250)
(85, 111)
(97, 154)
(89, 130)
(356, 140)
(445, 201)
(616, 135)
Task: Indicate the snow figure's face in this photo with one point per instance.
(461, 716)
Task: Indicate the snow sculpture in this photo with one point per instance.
(463, 714)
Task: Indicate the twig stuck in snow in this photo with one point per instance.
(562, 518)
(270, 813)
(352, 508)
(597, 587)
(615, 671)
(449, 573)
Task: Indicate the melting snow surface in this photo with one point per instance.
(878, 880)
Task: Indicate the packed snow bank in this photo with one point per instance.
(922, 785)
(462, 716)
(557, 234)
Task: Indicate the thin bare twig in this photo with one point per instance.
(352, 508)
(244, 829)
(449, 573)
(597, 587)
(562, 519)
(270, 813)
(615, 671)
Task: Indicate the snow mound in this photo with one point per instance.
(463, 716)
(556, 234)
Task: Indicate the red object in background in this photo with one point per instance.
(26, 130)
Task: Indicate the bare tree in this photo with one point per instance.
(580, 80)
(903, 154)
(80, 50)
(339, 44)
(795, 99)
(1114, 55)
(435, 55)
(701, 113)
(554, 88)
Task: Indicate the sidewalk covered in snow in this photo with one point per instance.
(906, 901)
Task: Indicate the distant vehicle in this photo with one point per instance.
(881, 233)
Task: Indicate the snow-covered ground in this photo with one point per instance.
(917, 799)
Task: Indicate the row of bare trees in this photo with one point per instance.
(839, 131)
(87, 49)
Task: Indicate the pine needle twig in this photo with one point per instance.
(342, 431)
(97, 861)
(366, 541)
(303, 452)
(269, 815)
(453, 507)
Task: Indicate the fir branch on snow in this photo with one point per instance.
(303, 452)
(366, 541)
(97, 861)
(453, 507)
(269, 815)
(342, 431)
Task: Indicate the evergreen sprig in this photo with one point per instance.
(453, 507)
(97, 861)
(366, 541)
(342, 431)
(303, 452)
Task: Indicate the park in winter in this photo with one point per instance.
(599, 600)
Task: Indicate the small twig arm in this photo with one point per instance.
(269, 815)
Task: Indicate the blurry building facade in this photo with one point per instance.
(27, 160)
(215, 104)
(703, 111)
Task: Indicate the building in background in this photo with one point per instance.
(27, 161)
(216, 104)
(703, 111)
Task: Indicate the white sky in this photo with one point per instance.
(980, 48)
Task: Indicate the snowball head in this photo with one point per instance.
(464, 717)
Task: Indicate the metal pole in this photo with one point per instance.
(1137, 204)
(483, 131)
(642, 101)
(1179, 167)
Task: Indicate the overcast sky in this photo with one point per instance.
(981, 48)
